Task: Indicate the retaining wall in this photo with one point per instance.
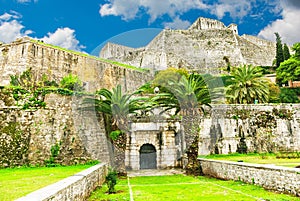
(76, 187)
(271, 177)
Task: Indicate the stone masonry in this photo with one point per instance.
(54, 63)
(206, 47)
(271, 177)
(261, 128)
(165, 136)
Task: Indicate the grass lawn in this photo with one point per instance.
(17, 182)
(257, 158)
(180, 187)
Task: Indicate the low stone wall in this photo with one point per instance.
(271, 177)
(76, 187)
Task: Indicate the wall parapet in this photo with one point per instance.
(76, 187)
(271, 177)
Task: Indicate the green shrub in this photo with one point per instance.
(71, 82)
(115, 134)
(111, 181)
(288, 95)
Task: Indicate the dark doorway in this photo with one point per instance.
(148, 157)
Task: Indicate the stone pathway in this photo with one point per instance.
(154, 172)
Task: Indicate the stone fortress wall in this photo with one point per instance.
(28, 135)
(203, 48)
(259, 128)
(55, 63)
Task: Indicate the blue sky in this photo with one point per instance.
(84, 25)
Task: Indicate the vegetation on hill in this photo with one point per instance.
(290, 69)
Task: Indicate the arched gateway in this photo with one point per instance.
(148, 157)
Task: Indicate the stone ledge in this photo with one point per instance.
(271, 177)
(76, 187)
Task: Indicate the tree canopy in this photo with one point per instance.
(290, 69)
(247, 86)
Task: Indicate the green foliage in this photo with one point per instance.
(227, 80)
(170, 74)
(14, 80)
(111, 180)
(286, 52)
(115, 134)
(71, 82)
(290, 69)
(279, 50)
(289, 95)
(54, 153)
(182, 93)
(274, 93)
(116, 104)
(247, 85)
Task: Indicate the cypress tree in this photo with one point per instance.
(286, 52)
(279, 50)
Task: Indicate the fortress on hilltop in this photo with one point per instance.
(206, 46)
(27, 135)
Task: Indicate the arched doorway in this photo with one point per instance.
(148, 157)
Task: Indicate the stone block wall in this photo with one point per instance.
(76, 188)
(27, 136)
(263, 128)
(55, 63)
(281, 179)
(203, 48)
(165, 139)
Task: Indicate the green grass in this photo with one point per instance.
(17, 182)
(121, 188)
(269, 158)
(187, 188)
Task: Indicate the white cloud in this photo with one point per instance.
(288, 27)
(235, 8)
(27, 1)
(131, 9)
(177, 24)
(63, 37)
(155, 9)
(10, 28)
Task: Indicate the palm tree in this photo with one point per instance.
(247, 85)
(116, 107)
(116, 104)
(187, 96)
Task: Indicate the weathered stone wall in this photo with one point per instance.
(202, 48)
(261, 128)
(27, 136)
(162, 135)
(76, 188)
(55, 63)
(270, 177)
(206, 23)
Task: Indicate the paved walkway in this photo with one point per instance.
(154, 172)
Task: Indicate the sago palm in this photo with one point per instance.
(116, 104)
(247, 85)
(184, 95)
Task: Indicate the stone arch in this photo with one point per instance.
(148, 157)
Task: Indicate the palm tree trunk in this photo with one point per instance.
(191, 123)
